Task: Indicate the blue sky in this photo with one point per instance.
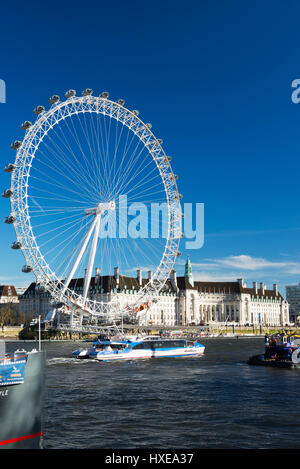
(213, 78)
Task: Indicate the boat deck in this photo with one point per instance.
(257, 360)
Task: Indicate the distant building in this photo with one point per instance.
(20, 290)
(182, 301)
(293, 298)
(8, 294)
(35, 301)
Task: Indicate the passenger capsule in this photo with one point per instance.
(9, 168)
(136, 112)
(180, 196)
(178, 253)
(26, 125)
(54, 99)
(10, 219)
(149, 126)
(16, 144)
(7, 193)
(121, 102)
(70, 93)
(175, 177)
(26, 269)
(39, 110)
(87, 92)
(16, 245)
(104, 95)
(160, 141)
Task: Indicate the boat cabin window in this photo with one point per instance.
(110, 346)
(150, 338)
(157, 344)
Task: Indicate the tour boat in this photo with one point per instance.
(21, 398)
(282, 350)
(141, 347)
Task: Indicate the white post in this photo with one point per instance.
(83, 248)
(87, 279)
(39, 333)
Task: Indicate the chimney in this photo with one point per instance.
(241, 282)
(116, 275)
(173, 279)
(255, 287)
(97, 276)
(149, 274)
(262, 287)
(139, 277)
(275, 288)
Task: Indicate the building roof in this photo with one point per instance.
(184, 284)
(109, 283)
(234, 287)
(260, 293)
(217, 287)
(8, 290)
(30, 289)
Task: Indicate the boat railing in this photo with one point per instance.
(13, 357)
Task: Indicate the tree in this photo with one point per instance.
(10, 315)
(6, 314)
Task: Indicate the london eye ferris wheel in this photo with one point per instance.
(88, 178)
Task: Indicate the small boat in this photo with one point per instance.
(105, 349)
(282, 350)
(21, 398)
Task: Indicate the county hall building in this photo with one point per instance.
(182, 301)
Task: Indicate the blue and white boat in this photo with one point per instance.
(138, 348)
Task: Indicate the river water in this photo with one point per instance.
(213, 401)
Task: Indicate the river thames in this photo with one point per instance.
(215, 401)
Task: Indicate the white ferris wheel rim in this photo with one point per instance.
(20, 182)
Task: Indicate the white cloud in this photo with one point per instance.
(294, 270)
(245, 262)
(232, 267)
